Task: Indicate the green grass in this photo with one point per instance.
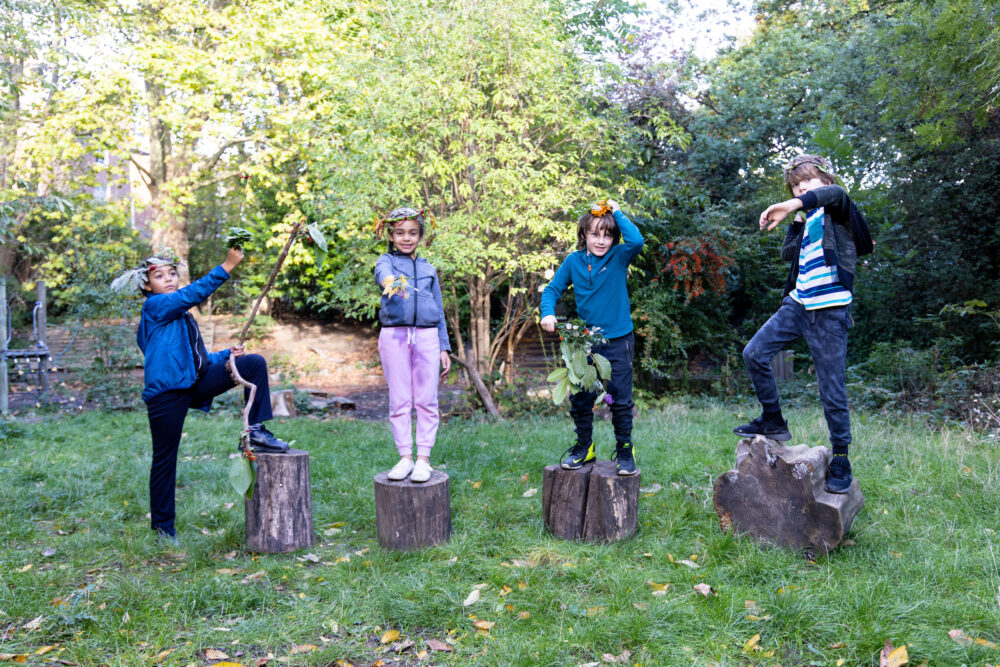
(924, 561)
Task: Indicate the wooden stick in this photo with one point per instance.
(231, 364)
(270, 281)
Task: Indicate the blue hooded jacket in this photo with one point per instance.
(163, 337)
(599, 282)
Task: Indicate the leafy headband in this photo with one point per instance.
(821, 163)
(134, 279)
(401, 214)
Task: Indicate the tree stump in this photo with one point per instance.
(279, 514)
(410, 515)
(592, 503)
(776, 495)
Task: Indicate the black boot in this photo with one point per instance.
(263, 440)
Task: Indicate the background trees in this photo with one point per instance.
(505, 119)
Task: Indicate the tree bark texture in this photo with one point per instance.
(592, 503)
(776, 494)
(279, 515)
(409, 515)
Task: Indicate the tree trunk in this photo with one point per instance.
(169, 229)
(592, 503)
(411, 515)
(479, 323)
(279, 514)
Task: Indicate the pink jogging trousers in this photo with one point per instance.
(411, 360)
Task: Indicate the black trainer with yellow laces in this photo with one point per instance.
(578, 455)
(625, 458)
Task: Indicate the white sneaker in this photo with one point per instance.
(421, 471)
(401, 470)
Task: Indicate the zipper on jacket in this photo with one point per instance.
(414, 258)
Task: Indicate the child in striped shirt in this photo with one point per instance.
(823, 247)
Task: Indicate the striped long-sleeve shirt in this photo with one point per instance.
(817, 285)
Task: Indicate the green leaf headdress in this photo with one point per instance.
(133, 280)
(401, 214)
(821, 164)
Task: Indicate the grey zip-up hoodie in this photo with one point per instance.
(422, 307)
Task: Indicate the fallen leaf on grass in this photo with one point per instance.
(437, 645)
(751, 643)
(704, 589)
(33, 624)
(303, 648)
(484, 625)
(48, 552)
(530, 492)
(505, 590)
(523, 615)
(595, 611)
(256, 576)
(215, 654)
(225, 663)
(402, 646)
(45, 649)
(163, 654)
(477, 484)
(837, 645)
(26, 568)
(657, 587)
(13, 657)
(261, 662)
(524, 478)
(689, 563)
(965, 640)
(312, 558)
(472, 599)
(609, 658)
(893, 657)
(389, 636)
(650, 490)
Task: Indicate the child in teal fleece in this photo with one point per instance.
(597, 270)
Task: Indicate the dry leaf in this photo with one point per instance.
(33, 624)
(893, 657)
(595, 611)
(837, 645)
(402, 646)
(477, 484)
(689, 563)
(256, 576)
(437, 645)
(505, 590)
(163, 654)
(312, 558)
(623, 658)
(26, 568)
(215, 654)
(704, 589)
(523, 615)
(389, 636)
(229, 556)
(530, 492)
(303, 648)
(227, 664)
(751, 643)
(126, 618)
(484, 625)
(472, 599)
(524, 478)
(48, 551)
(13, 657)
(261, 662)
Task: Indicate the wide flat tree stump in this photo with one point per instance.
(776, 495)
(410, 515)
(592, 503)
(279, 514)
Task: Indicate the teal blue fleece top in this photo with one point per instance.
(163, 336)
(599, 282)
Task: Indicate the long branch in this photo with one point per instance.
(270, 281)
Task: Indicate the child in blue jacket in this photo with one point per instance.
(181, 374)
(597, 271)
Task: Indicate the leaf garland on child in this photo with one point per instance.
(584, 369)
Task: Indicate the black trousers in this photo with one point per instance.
(167, 412)
(618, 351)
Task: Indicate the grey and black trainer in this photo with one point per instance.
(625, 459)
(765, 427)
(578, 455)
(838, 474)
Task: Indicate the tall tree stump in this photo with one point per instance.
(592, 503)
(776, 495)
(279, 514)
(411, 515)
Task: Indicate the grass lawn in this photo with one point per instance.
(83, 580)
